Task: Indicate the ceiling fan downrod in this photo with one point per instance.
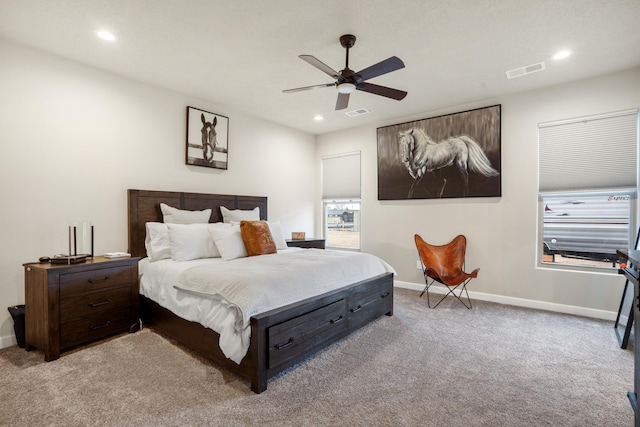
(347, 41)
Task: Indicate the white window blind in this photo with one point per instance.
(587, 153)
(341, 176)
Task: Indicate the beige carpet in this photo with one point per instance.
(494, 365)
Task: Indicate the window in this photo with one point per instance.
(587, 189)
(341, 201)
(586, 228)
(342, 224)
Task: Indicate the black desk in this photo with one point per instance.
(632, 273)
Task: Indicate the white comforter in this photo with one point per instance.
(223, 295)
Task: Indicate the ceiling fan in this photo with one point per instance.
(348, 80)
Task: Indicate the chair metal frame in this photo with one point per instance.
(452, 275)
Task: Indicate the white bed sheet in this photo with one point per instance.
(156, 283)
(159, 278)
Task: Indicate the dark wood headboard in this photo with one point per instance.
(144, 206)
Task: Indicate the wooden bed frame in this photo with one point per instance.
(280, 338)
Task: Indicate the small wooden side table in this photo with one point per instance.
(306, 243)
(73, 304)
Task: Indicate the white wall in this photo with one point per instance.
(73, 139)
(501, 232)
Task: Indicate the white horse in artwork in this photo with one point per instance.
(420, 154)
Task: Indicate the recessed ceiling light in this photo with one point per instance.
(562, 54)
(318, 118)
(106, 35)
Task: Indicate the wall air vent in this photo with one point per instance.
(523, 71)
(358, 112)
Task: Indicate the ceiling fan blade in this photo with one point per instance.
(343, 101)
(320, 65)
(300, 89)
(383, 67)
(382, 91)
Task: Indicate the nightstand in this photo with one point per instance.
(306, 243)
(70, 305)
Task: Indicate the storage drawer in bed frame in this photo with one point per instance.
(317, 323)
(291, 338)
(368, 304)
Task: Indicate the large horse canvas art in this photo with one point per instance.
(455, 155)
(207, 139)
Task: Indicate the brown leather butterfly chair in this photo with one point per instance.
(445, 264)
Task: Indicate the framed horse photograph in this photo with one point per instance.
(207, 139)
(449, 156)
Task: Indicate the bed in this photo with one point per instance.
(280, 337)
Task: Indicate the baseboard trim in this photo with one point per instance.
(521, 302)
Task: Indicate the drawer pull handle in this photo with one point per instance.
(104, 325)
(281, 346)
(98, 304)
(385, 295)
(94, 281)
(358, 308)
(333, 321)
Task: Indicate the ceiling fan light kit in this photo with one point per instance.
(346, 87)
(347, 80)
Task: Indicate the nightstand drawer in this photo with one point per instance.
(93, 328)
(94, 303)
(72, 284)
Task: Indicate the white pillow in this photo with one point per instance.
(173, 215)
(278, 236)
(229, 242)
(193, 241)
(239, 215)
(157, 241)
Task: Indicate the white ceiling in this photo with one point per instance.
(242, 54)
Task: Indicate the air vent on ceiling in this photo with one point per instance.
(358, 112)
(523, 71)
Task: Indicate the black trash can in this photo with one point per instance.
(17, 313)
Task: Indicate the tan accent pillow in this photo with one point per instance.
(257, 238)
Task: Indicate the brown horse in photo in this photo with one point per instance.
(209, 138)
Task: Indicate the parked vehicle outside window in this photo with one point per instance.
(587, 228)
